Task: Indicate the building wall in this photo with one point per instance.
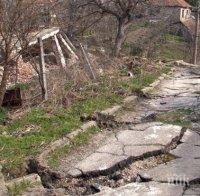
(171, 14)
(185, 14)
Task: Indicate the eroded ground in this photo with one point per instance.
(153, 149)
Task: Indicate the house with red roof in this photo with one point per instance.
(178, 13)
(172, 10)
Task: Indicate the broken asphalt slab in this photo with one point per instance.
(181, 170)
(143, 189)
(127, 145)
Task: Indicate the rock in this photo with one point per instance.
(130, 99)
(111, 111)
(144, 177)
(138, 179)
(115, 176)
(74, 172)
(186, 150)
(88, 125)
(3, 188)
(85, 117)
(150, 116)
(32, 178)
(143, 189)
(191, 137)
(196, 126)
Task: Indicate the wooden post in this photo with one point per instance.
(69, 42)
(69, 49)
(89, 66)
(196, 34)
(60, 53)
(43, 71)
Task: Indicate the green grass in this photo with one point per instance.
(173, 38)
(51, 126)
(144, 78)
(14, 150)
(18, 189)
(3, 115)
(178, 117)
(174, 48)
(136, 26)
(22, 86)
(80, 140)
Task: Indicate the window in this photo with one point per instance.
(183, 13)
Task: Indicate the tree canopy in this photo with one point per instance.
(192, 2)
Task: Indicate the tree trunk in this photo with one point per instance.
(4, 83)
(121, 35)
(72, 18)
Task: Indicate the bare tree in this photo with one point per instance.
(18, 19)
(124, 11)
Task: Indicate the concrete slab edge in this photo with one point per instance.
(147, 90)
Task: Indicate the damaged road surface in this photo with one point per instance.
(128, 145)
(142, 156)
(141, 140)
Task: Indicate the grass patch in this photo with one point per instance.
(135, 26)
(173, 38)
(178, 117)
(54, 125)
(18, 189)
(14, 150)
(144, 78)
(173, 48)
(80, 140)
(3, 115)
(22, 86)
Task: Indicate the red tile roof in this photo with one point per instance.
(171, 3)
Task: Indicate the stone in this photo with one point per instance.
(32, 178)
(74, 172)
(180, 170)
(191, 137)
(88, 125)
(186, 150)
(149, 116)
(111, 111)
(196, 126)
(130, 99)
(3, 188)
(144, 177)
(115, 176)
(73, 134)
(143, 189)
